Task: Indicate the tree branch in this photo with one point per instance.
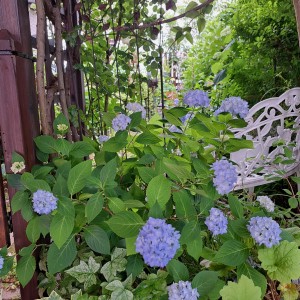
(160, 21)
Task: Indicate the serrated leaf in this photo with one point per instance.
(62, 223)
(235, 206)
(45, 143)
(53, 296)
(244, 289)
(204, 281)
(159, 190)
(147, 138)
(194, 247)
(258, 278)
(232, 253)
(116, 143)
(134, 265)
(126, 224)
(25, 269)
(33, 184)
(97, 239)
(184, 206)
(178, 270)
(81, 149)
(201, 24)
(59, 259)
(282, 261)
(85, 273)
(190, 232)
(116, 205)
(78, 175)
(94, 206)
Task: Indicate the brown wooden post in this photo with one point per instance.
(18, 113)
(4, 232)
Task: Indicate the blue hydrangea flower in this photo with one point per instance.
(235, 106)
(136, 107)
(264, 231)
(187, 117)
(44, 202)
(157, 242)
(266, 202)
(120, 122)
(175, 129)
(182, 291)
(225, 176)
(216, 222)
(176, 102)
(103, 138)
(196, 98)
(1, 262)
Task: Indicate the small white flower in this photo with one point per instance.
(62, 127)
(266, 202)
(17, 167)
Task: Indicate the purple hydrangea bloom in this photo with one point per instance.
(44, 202)
(216, 222)
(120, 122)
(1, 262)
(103, 138)
(176, 102)
(225, 176)
(175, 129)
(235, 106)
(264, 231)
(136, 107)
(157, 242)
(182, 291)
(196, 98)
(187, 117)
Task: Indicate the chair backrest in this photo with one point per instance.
(273, 126)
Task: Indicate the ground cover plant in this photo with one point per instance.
(149, 212)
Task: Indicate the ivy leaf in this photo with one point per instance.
(244, 289)
(282, 261)
(53, 296)
(85, 273)
(116, 264)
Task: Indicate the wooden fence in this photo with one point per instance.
(19, 121)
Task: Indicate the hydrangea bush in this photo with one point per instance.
(150, 213)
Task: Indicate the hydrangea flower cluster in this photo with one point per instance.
(157, 242)
(196, 98)
(266, 202)
(103, 138)
(120, 122)
(235, 106)
(1, 262)
(17, 167)
(136, 107)
(176, 102)
(216, 222)
(264, 231)
(225, 176)
(182, 291)
(44, 202)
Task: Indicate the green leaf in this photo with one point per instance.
(60, 187)
(126, 224)
(146, 173)
(33, 229)
(159, 190)
(244, 289)
(53, 296)
(63, 222)
(257, 278)
(147, 138)
(94, 207)
(184, 205)
(108, 172)
(14, 180)
(63, 146)
(178, 170)
(41, 171)
(85, 273)
(204, 281)
(81, 149)
(46, 144)
(194, 247)
(134, 265)
(59, 259)
(97, 239)
(18, 200)
(234, 144)
(178, 270)
(78, 175)
(16, 157)
(190, 232)
(282, 261)
(33, 184)
(116, 205)
(116, 143)
(25, 269)
(201, 25)
(232, 253)
(235, 206)
(115, 265)
(130, 245)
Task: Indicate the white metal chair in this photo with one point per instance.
(273, 125)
